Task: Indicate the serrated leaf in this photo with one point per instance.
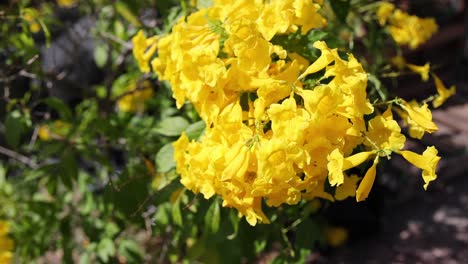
(212, 217)
(172, 126)
(165, 158)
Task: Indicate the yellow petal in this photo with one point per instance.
(366, 184)
(427, 162)
(356, 159)
(421, 70)
(325, 58)
(421, 115)
(348, 188)
(335, 167)
(443, 92)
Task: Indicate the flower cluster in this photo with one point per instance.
(406, 29)
(280, 128)
(6, 244)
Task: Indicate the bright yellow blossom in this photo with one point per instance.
(384, 134)
(6, 244)
(421, 70)
(143, 49)
(384, 12)
(443, 92)
(348, 188)
(31, 16)
(272, 135)
(419, 116)
(406, 29)
(427, 162)
(134, 97)
(67, 3)
(366, 184)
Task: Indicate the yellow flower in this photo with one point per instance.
(57, 130)
(336, 236)
(134, 99)
(421, 70)
(399, 62)
(327, 56)
(335, 167)
(427, 162)
(419, 116)
(367, 181)
(348, 188)
(31, 16)
(143, 49)
(406, 29)
(384, 134)
(384, 12)
(6, 257)
(6, 244)
(44, 133)
(443, 92)
(67, 3)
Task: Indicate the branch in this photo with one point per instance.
(19, 157)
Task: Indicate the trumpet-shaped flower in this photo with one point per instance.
(421, 70)
(143, 49)
(384, 134)
(365, 185)
(443, 92)
(419, 117)
(427, 162)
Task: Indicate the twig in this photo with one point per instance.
(126, 45)
(17, 156)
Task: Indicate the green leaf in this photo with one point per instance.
(234, 219)
(2, 175)
(15, 126)
(378, 87)
(101, 55)
(172, 126)
(111, 229)
(105, 249)
(195, 130)
(127, 13)
(341, 8)
(131, 251)
(204, 3)
(307, 234)
(176, 213)
(68, 169)
(59, 106)
(316, 35)
(212, 217)
(165, 158)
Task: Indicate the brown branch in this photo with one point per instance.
(19, 157)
